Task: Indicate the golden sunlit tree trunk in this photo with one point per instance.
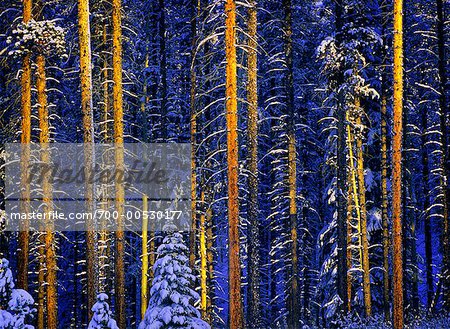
(25, 138)
(210, 262)
(49, 237)
(397, 167)
(203, 260)
(144, 270)
(253, 300)
(353, 201)
(103, 241)
(236, 320)
(363, 219)
(84, 38)
(119, 162)
(350, 197)
(293, 304)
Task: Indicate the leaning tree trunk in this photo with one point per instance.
(363, 219)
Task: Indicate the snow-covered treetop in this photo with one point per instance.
(41, 37)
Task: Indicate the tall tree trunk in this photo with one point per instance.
(445, 149)
(25, 138)
(236, 319)
(353, 201)
(84, 38)
(341, 176)
(385, 205)
(193, 77)
(293, 290)
(163, 69)
(397, 166)
(50, 253)
(426, 214)
(363, 219)
(253, 297)
(119, 161)
(43, 138)
(103, 241)
(384, 171)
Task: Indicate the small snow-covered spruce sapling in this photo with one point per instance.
(16, 304)
(171, 297)
(102, 318)
(6, 283)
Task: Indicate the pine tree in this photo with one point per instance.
(171, 298)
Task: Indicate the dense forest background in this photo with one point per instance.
(289, 107)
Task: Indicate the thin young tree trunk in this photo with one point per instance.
(84, 38)
(350, 198)
(341, 176)
(426, 214)
(144, 269)
(397, 166)
(163, 69)
(103, 242)
(384, 206)
(253, 297)
(363, 219)
(203, 260)
(210, 262)
(293, 290)
(25, 138)
(193, 77)
(445, 148)
(384, 171)
(119, 161)
(236, 320)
